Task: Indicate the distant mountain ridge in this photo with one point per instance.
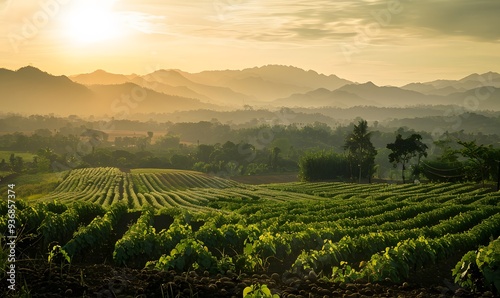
(482, 95)
(279, 85)
(30, 90)
(324, 97)
(256, 85)
(447, 87)
(101, 77)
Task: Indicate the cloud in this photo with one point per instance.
(143, 22)
(478, 20)
(336, 20)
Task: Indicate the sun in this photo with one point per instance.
(92, 21)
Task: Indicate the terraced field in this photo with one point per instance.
(195, 191)
(187, 221)
(157, 188)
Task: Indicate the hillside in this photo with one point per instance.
(101, 77)
(447, 87)
(32, 91)
(325, 98)
(159, 188)
(127, 98)
(270, 82)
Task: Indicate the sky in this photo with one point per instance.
(388, 42)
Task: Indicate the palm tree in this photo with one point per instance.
(360, 150)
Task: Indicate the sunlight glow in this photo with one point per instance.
(92, 21)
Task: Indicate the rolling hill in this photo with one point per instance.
(101, 77)
(32, 91)
(323, 97)
(448, 87)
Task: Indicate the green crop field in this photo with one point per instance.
(184, 220)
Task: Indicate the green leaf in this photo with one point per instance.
(248, 249)
(265, 290)
(247, 291)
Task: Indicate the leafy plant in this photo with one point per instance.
(97, 232)
(139, 244)
(188, 254)
(258, 291)
(480, 270)
(59, 254)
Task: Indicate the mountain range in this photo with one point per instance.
(29, 90)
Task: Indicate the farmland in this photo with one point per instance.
(298, 236)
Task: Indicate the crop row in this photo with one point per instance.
(198, 192)
(320, 234)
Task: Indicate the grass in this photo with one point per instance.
(25, 155)
(33, 186)
(5, 173)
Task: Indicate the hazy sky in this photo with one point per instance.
(388, 42)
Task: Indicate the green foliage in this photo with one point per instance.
(396, 262)
(59, 227)
(58, 251)
(480, 270)
(345, 273)
(258, 291)
(405, 149)
(441, 171)
(96, 233)
(482, 160)
(139, 242)
(56, 207)
(256, 168)
(323, 165)
(88, 211)
(228, 237)
(32, 217)
(360, 151)
(389, 230)
(188, 254)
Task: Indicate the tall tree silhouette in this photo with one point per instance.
(405, 149)
(360, 150)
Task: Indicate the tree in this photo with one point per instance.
(203, 153)
(321, 166)
(360, 150)
(481, 157)
(3, 165)
(275, 157)
(94, 137)
(405, 149)
(180, 161)
(168, 141)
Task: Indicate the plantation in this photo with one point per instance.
(215, 237)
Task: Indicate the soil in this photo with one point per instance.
(162, 221)
(94, 275)
(101, 280)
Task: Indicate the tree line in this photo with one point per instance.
(349, 153)
(470, 162)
